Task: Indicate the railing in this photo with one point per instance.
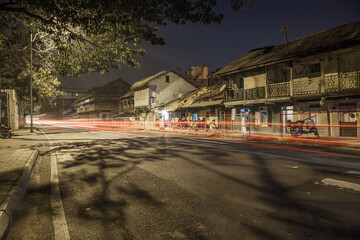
(232, 95)
(279, 89)
(126, 108)
(307, 86)
(255, 93)
(344, 81)
(105, 107)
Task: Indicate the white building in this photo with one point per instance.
(158, 89)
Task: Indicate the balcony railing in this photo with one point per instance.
(232, 95)
(341, 82)
(279, 90)
(255, 93)
(307, 86)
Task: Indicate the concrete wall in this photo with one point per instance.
(14, 115)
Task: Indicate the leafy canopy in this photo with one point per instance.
(84, 36)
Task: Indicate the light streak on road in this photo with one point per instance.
(222, 129)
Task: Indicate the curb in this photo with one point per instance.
(15, 195)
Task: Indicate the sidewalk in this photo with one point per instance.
(15, 171)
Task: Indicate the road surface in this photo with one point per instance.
(151, 185)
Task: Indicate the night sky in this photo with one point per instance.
(218, 45)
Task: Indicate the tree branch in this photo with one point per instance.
(26, 12)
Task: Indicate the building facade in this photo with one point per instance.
(317, 75)
(156, 90)
(64, 104)
(126, 106)
(102, 102)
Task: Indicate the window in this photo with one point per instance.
(285, 75)
(315, 70)
(167, 78)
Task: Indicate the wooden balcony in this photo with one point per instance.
(255, 93)
(277, 90)
(342, 82)
(308, 86)
(106, 107)
(234, 95)
(336, 84)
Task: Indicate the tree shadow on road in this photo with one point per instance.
(94, 186)
(92, 181)
(308, 217)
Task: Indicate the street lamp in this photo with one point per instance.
(31, 92)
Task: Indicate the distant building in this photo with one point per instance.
(205, 103)
(317, 75)
(64, 104)
(126, 105)
(102, 102)
(156, 90)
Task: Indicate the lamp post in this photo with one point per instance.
(31, 92)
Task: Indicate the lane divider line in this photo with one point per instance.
(356, 173)
(341, 184)
(58, 214)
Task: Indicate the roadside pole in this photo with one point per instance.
(281, 123)
(328, 119)
(31, 90)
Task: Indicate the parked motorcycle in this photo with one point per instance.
(297, 128)
(5, 131)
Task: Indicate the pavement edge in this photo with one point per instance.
(14, 197)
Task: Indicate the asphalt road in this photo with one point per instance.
(147, 185)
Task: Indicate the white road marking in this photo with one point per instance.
(353, 173)
(290, 166)
(58, 214)
(341, 184)
(63, 157)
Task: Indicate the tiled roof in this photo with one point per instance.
(335, 38)
(203, 97)
(128, 94)
(143, 83)
(114, 88)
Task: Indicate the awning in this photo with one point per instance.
(207, 103)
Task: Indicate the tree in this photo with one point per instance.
(85, 36)
(95, 36)
(15, 65)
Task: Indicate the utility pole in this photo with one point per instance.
(31, 90)
(284, 29)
